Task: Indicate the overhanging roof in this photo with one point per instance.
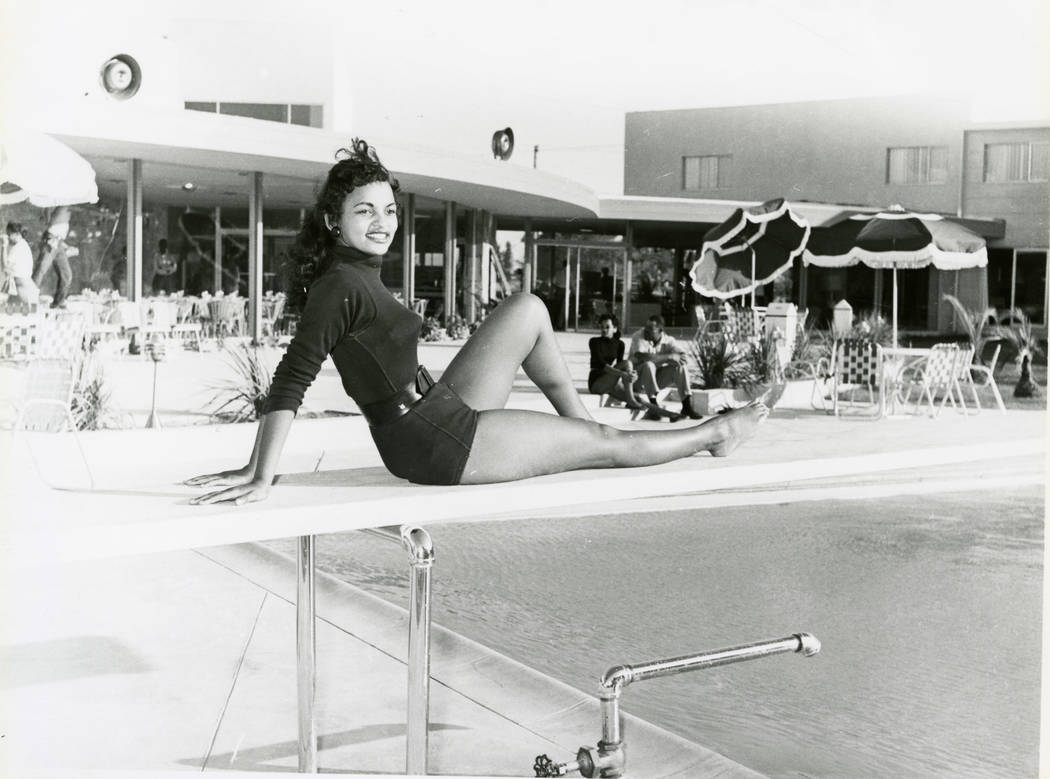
(178, 146)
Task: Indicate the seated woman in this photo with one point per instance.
(458, 430)
(610, 373)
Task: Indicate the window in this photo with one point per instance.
(917, 165)
(306, 115)
(707, 172)
(1023, 161)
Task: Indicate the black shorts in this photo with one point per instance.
(431, 442)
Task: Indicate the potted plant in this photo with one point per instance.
(728, 373)
(1021, 336)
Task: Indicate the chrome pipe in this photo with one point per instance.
(305, 646)
(416, 541)
(610, 755)
(622, 675)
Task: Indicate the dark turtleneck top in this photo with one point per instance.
(351, 316)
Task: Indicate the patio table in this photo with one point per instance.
(896, 360)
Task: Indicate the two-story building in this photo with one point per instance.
(919, 151)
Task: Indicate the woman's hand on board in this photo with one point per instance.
(240, 486)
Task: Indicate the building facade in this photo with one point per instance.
(919, 151)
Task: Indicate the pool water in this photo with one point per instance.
(928, 607)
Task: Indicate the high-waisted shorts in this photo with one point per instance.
(430, 443)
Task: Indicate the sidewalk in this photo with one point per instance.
(185, 660)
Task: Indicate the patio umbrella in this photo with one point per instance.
(751, 248)
(46, 172)
(895, 238)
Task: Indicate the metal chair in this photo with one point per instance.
(857, 364)
(272, 311)
(50, 381)
(936, 374)
(227, 315)
(984, 376)
(187, 327)
(19, 323)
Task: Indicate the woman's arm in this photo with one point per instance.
(252, 482)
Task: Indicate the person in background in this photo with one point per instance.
(118, 273)
(610, 373)
(18, 267)
(54, 253)
(164, 267)
(660, 362)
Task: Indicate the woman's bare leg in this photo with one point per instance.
(517, 334)
(511, 444)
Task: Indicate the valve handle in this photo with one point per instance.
(544, 766)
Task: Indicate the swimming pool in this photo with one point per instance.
(928, 607)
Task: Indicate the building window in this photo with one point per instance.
(285, 113)
(707, 172)
(1024, 161)
(917, 165)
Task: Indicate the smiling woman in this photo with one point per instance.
(457, 430)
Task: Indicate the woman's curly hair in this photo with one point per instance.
(311, 254)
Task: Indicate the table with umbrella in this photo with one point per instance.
(897, 239)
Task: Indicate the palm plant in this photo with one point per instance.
(976, 324)
(1021, 336)
(241, 398)
(719, 362)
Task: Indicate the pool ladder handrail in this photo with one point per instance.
(607, 759)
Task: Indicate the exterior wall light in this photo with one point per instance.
(121, 76)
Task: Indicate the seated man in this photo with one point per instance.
(660, 362)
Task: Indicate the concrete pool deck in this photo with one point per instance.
(184, 660)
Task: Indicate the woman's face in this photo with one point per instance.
(369, 218)
(607, 328)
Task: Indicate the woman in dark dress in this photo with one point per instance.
(457, 431)
(610, 373)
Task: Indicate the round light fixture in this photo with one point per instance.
(120, 76)
(503, 144)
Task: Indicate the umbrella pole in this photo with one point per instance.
(753, 285)
(894, 306)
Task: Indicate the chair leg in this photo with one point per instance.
(32, 455)
(998, 397)
(80, 447)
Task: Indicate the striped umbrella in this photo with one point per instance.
(46, 172)
(895, 238)
(751, 248)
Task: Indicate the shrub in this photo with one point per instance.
(241, 398)
(719, 362)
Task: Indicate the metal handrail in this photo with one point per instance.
(416, 541)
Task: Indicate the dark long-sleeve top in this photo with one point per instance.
(604, 351)
(351, 316)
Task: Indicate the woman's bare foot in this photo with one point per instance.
(736, 426)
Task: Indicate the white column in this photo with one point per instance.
(527, 267)
(408, 249)
(255, 255)
(576, 321)
(450, 260)
(473, 258)
(217, 251)
(628, 240)
(133, 267)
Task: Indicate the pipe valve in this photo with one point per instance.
(607, 759)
